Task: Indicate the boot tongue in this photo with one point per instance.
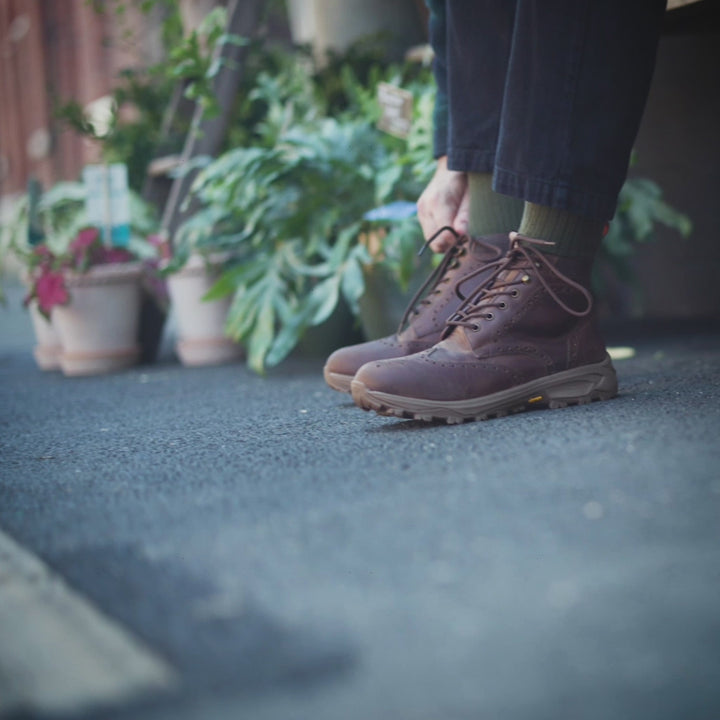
(456, 342)
(481, 254)
(508, 277)
(502, 281)
(488, 248)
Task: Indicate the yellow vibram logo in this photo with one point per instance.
(535, 399)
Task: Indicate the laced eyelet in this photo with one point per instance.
(514, 293)
(475, 328)
(502, 305)
(489, 316)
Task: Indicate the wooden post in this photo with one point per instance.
(207, 134)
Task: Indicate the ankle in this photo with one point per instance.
(573, 235)
(491, 213)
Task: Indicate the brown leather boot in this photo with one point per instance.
(525, 337)
(424, 320)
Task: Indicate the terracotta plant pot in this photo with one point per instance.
(49, 348)
(99, 327)
(201, 324)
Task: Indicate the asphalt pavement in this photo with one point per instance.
(290, 556)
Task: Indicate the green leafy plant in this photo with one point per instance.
(195, 62)
(289, 205)
(47, 272)
(134, 131)
(137, 128)
(640, 210)
(61, 240)
(290, 209)
(61, 215)
(290, 214)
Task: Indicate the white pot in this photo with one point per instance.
(201, 324)
(331, 24)
(49, 347)
(99, 326)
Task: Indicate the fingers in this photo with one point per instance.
(454, 213)
(442, 243)
(462, 218)
(444, 202)
(434, 213)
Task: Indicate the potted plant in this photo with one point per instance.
(32, 216)
(291, 210)
(200, 320)
(84, 296)
(143, 121)
(93, 293)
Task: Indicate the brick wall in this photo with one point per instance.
(52, 52)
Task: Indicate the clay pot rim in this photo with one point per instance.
(198, 264)
(105, 274)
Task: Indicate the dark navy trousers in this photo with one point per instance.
(545, 94)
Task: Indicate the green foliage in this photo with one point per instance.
(287, 201)
(61, 216)
(640, 209)
(136, 131)
(347, 80)
(289, 206)
(195, 60)
(138, 101)
(133, 142)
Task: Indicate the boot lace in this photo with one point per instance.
(439, 276)
(520, 266)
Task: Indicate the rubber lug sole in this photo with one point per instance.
(578, 386)
(337, 381)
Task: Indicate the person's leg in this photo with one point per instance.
(578, 77)
(467, 138)
(491, 212)
(470, 79)
(479, 41)
(476, 71)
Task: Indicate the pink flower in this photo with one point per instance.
(83, 248)
(50, 290)
(85, 239)
(47, 271)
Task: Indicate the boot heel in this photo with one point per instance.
(583, 385)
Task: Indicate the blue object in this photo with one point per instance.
(35, 231)
(119, 235)
(399, 210)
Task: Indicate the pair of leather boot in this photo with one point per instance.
(502, 328)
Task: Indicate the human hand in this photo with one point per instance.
(445, 201)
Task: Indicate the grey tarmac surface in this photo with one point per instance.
(290, 556)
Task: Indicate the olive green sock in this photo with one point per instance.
(491, 213)
(573, 235)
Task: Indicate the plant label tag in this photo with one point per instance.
(396, 106)
(107, 202)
